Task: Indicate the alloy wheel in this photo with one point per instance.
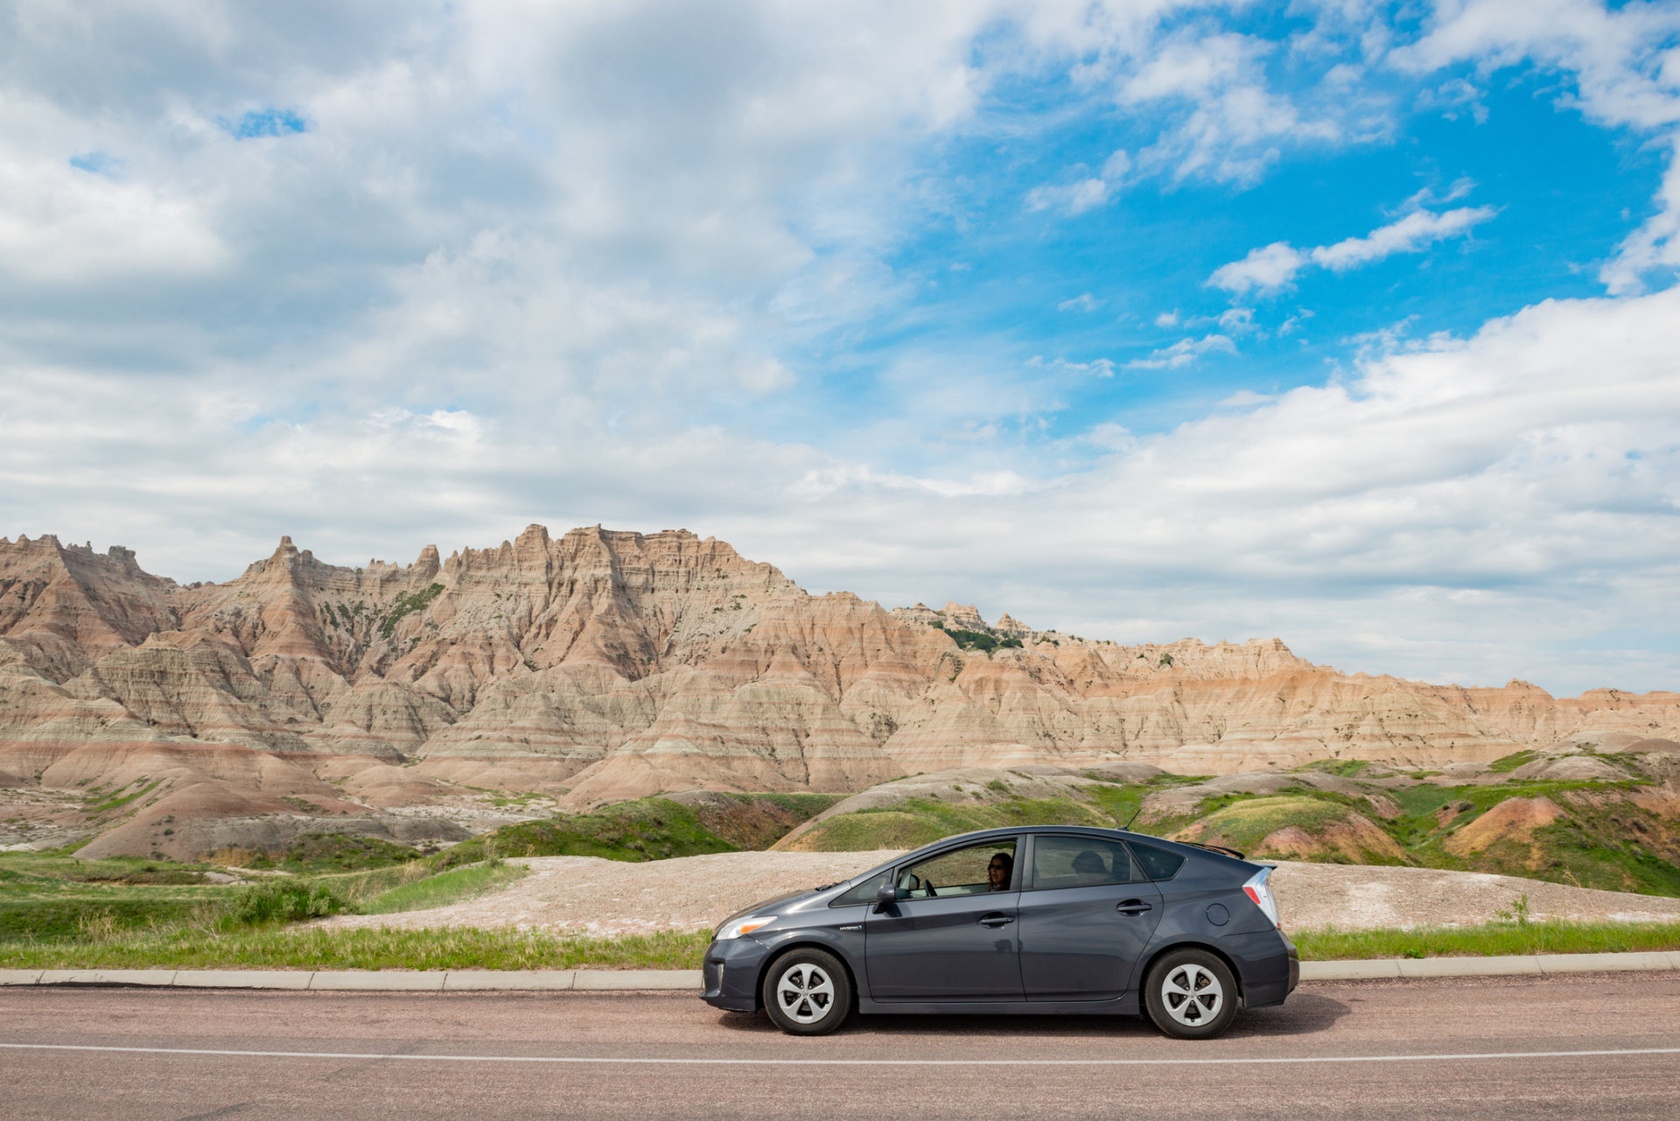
(805, 993)
(1192, 995)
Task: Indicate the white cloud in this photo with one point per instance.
(565, 264)
(1183, 352)
(1070, 198)
(61, 223)
(1655, 245)
(1271, 268)
(1100, 367)
(1237, 320)
(1453, 97)
(1084, 192)
(1231, 321)
(1234, 124)
(1082, 302)
(1622, 64)
(1274, 267)
(1474, 510)
(1407, 235)
(1426, 196)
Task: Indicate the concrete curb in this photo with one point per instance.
(391, 980)
(1539, 965)
(688, 980)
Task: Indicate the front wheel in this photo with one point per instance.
(1191, 994)
(807, 992)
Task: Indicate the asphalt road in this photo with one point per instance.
(1486, 1049)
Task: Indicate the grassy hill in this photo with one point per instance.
(1575, 817)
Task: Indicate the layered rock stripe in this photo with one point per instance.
(606, 665)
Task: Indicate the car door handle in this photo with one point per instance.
(996, 920)
(1131, 906)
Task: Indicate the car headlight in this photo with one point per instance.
(737, 927)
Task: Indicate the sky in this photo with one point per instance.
(1353, 324)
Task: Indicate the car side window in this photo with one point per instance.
(964, 871)
(1079, 862)
(1158, 863)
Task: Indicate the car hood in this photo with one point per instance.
(793, 901)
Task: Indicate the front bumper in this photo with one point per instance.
(730, 972)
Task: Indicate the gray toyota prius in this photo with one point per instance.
(1041, 919)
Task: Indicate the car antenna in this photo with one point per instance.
(1127, 827)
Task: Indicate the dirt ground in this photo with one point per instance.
(585, 894)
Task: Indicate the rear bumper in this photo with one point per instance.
(730, 974)
(1267, 964)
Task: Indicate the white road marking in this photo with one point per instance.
(1483, 1056)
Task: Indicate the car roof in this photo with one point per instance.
(980, 835)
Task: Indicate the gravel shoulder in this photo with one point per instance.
(589, 895)
(1358, 897)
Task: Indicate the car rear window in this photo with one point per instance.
(1158, 863)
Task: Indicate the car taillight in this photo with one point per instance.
(1257, 890)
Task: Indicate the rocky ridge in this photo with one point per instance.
(604, 665)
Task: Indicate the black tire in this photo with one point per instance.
(1191, 994)
(807, 992)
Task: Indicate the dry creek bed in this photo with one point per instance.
(589, 895)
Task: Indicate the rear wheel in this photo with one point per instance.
(807, 992)
(1191, 994)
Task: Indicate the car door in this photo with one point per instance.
(952, 937)
(1085, 918)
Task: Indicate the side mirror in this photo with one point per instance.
(887, 896)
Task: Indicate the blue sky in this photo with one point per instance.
(1349, 323)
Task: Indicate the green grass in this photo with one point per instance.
(1244, 824)
(1509, 763)
(757, 821)
(56, 899)
(1120, 803)
(645, 829)
(56, 896)
(338, 852)
(1618, 846)
(46, 870)
(384, 948)
(978, 640)
(55, 903)
(118, 801)
(866, 832)
(1417, 801)
(919, 821)
(69, 918)
(444, 888)
(1493, 939)
(407, 605)
(1606, 841)
(1344, 768)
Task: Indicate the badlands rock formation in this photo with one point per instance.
(606, 665)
